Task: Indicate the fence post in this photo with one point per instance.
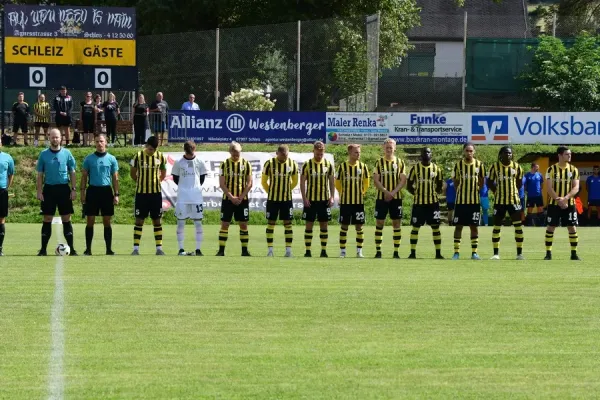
(464, 74)
(376, 94)
(554, 25)
(217, 45)
(298, 66)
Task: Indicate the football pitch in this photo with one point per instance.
(174, 327)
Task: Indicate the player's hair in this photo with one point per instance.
(102, 135)
(189, 147)
(235, 145)
(596, 166)
(21, 94)
(319, 145)
(561, 150)
(152, 142)
(389, 140)
(54, 130)
(63, 87)
(283, 148)
(469, 144)
(502, 150)
(534, 165)
(353, 147)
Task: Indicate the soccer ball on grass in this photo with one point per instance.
(63, 250)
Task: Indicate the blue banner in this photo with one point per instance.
(246, 126)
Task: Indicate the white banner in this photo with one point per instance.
(212, 193)
(458, 128)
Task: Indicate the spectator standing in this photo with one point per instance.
(63, 106)
(592, 184)
(140, 121)
(20, 111)
(41, 118)
(190, 105)
(99, 108)
(450, 190)
(111, 115)
(158, 115)
(88, 118)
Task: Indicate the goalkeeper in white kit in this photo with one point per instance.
(189, 173)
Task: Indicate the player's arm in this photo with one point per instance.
(551, 191)
(401, 183)
(163, 169)
(264, 181)
(303, 186)
(574, 187)
(481, 180)
(439, 181)
(133, 171)
(331, 189)
(411, 181)
(366, 183)
(11, 173)
(248, 183)
(519, 178)
(294, 178)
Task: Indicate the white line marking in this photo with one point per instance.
(56, 381)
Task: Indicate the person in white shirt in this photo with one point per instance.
(189, 173)
(190, 105)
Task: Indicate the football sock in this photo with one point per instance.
(474, 243)
(397, 238)
(89, 236)
(244, 238)
(496, 239)
(46, 234)
(289, 235)
(343, 237)
(270, 232)
(199, 233)
(68, 233)
(549, 240)
(324, 236)
(137, 236)
(378, 237)
(2, 233)
(360, 238)
(573, 239)
(108, 237)
(223, 234)
(308, 235)
(519, 236)
(437, 238)
(158, 236)
(414, 238)
(181, 233)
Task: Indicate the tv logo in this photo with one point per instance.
(484, 126)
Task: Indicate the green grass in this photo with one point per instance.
(187, 328)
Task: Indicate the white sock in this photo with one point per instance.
(136, 247)
(199, 233)
(288, 249)
(270, 248)
(180, 232)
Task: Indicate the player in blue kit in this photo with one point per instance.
(101, 172)
(592, 184)
(450, 198)
(56, 189)
(534, 182)
(7, 173)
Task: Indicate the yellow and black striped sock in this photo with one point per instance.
(223, 234)
(244, 238)
(414, 238)
(496, 239)
(360, 238)
(343, 237)
(378, 237)
(457, 244)
(549, 240)
(289, 235)
(137, 235)
(397, 238)
(519, 238)
(573, 240)
(158, 235)
(437, 238)
(324, 237)
(474, 244)
(270, 232)
(308, 236)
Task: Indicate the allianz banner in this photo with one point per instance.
(212, 193)
(246, 127)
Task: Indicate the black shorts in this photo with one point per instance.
(283, 210)
(88, 125)
(62, 120)
(3, 203)
(148, 204)
(99, 200)
(352, 214)
(44, 125)
(19, 125)
(536, 201)
(467, 214)
(566, 217)
(241, 213)
(392, 207)
(500, 211)
(450, 206)
(594, 203)
(57, 196)
(426, 214)
(318, 210)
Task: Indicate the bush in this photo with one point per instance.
(248, 100)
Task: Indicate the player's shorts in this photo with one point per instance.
(522, 201)
(191, 211)
(318, 210)
(352, 214)
(148, 204)
(88, 125)
(566, 217)
(450, 206)
(3, 203)
(241, 213)
(467, 214)
(283, 210)
(536, 201)
(594, 203)
(44, 125)
(392, 207)
(426, 214)
(19, 124)
(57, 196)
(99, 200)
(62, 120)
(500, 211)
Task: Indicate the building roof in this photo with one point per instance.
(577, 157)
(443, 20)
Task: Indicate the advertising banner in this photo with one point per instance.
(247, 127)
(429, 128)
(364, 128)
(212, 194)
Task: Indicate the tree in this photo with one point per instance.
(565, 79)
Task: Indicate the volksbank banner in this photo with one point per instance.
(247, 127)
(212, 193)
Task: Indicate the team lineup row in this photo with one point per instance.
(99, 192)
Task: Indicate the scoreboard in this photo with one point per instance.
(78, 47)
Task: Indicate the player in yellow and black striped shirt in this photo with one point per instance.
(352, 182)
(280, 176)
(317, 188)
(468, 176)
(235, 180)
(389, 177)
(425, 181)
(505, 178)
(562, 180)
(41, 117)
(148, 169)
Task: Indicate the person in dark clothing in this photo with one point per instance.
(159, 110)
(88, 118)
(63, 105)
(99, 110)
(111, 115)
(140, 121)
(20, 110)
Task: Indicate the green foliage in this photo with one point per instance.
(565, 79)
